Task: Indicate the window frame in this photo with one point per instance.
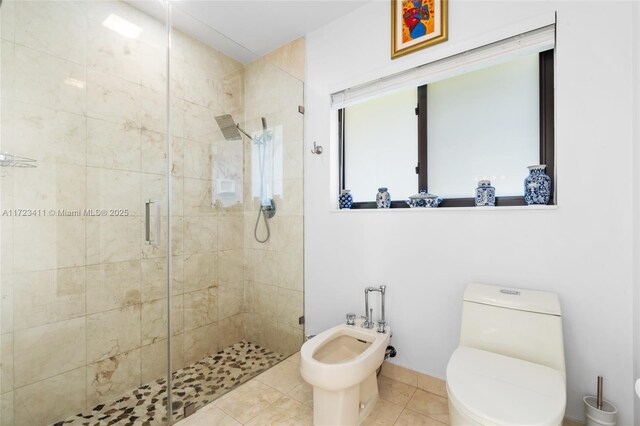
(547, 142)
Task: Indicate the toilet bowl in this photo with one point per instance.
(509, 368)
(340, 363)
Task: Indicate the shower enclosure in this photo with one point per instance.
(128, 214)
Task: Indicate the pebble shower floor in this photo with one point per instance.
(199, 384)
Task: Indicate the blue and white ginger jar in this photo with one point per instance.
(345, 199)
(383, 199)
(485, 194)
(537, 186)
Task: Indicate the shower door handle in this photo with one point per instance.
(147, 224)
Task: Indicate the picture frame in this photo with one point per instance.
(417, 24)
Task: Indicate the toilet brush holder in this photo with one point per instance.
(604, 416)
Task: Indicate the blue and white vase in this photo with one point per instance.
(345, 199)
(383, 199)
(537, 186)
(485, 194)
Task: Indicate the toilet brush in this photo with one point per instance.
(598, 411)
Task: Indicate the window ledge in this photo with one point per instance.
(446, 209)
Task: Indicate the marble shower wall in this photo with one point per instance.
(274, 270)
(83, 313)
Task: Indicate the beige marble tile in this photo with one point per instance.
(154, 154)
(113, 99)
(200, 271)
(231, 330)
(153, 115)
(411, 418)
(293, 157)
(154, 187)
(292, 198)
(266, 301)
(384, 414)
(285, 411)
(401, 374)
(248, 400)
(393, 391)
(198, 123)
(266, 267)
(154, 358)
(290, 238)
(432, 384)
(6, 363)
(32, 125)
(290, 58)
(112, 333)
(113, 239)
(7, 20)
(48, 296)
(153, 322)
(67, 19)
(56, 397)
(200, 342)
(6, 302)
(6, 409)
(111, 377)
(154, 278)
(62, 87)
(430, 405)
(200, 307)
(230, 266)
(52, 186)
(197, 197)
(8, 76)
(290, 307)
(60, 243)
(230, 233)
(48, 350)
(114, 189)
(197, 159)
(113, 146)
(288, 339)
(113, 285)
(210, 415)
(295, 358)
(200, 234)
(302, 393)
(284, 377)
(291, 270)
(230, 299)
(110, 53)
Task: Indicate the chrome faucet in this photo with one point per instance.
(368, 322)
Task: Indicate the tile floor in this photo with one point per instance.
(281, 397)
(199, 383)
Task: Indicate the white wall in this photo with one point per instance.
(582, 250)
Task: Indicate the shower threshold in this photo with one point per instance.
(198, 384)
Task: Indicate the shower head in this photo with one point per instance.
(228, 127)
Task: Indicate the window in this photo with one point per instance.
(447, 135)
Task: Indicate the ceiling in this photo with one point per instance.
(247, 29)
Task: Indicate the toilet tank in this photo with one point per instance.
(523, 324)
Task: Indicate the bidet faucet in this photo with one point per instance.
(368, 322)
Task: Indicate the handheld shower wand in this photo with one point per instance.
(231, 131)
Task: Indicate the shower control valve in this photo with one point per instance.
(351, 319)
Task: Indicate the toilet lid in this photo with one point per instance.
(497, 389)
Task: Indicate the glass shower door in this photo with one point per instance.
(84, 207)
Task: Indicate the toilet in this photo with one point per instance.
(340, 363)
(509, 368)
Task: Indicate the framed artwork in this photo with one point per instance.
(416, 24)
